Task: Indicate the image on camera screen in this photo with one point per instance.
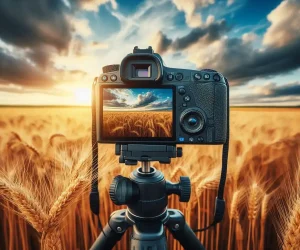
(137, 112)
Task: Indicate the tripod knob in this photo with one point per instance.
(185, 184)
(182, 188)
(122, 190)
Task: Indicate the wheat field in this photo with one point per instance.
(137, 124)
(45, 154)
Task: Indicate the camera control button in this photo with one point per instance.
(191, 139)
(200, 139)
(187, 98)
(197, 77)
(181, 138)
(113, 78)
(170, 77)
(206, 76)
(104, 78)
(179, 76)
(181, 91)
(184, 104)
(217, 77)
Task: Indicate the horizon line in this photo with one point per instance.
(89, 106)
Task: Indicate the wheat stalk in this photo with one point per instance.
(253, 209)
(51, 240)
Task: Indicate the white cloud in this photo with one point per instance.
(210, 19)
(249, 37)
(93, 5)
(230, 2)
(285, 24)
(81, 26)
(189, 7)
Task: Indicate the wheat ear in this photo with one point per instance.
(291, 239)
(27, 206)
(67, 197)
(254, 201)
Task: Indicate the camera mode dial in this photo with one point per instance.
(110, 68)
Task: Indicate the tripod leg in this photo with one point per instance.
(182, 232)
(148, 236)
(112, 232)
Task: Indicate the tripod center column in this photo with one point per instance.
(146, 166)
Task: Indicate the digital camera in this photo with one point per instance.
(143, 101)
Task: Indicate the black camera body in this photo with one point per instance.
(143, 101)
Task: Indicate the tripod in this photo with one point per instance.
(146, 193)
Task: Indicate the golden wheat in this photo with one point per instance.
(43, 153)
(27, 206)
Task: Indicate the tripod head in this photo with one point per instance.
(127, 190)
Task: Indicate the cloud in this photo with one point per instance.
(275, 90)
(145, 99)
(165, 104)
(161, 42)
(81, 26)
(31, 33)
(268, 94)
(15, 70)
(69, 76)
(115, 104)
(285, 23)
(230, 2)
(109, 95)
(249, 37)
(11, 88)
(240, 62)
(237, 58)
(33, 23)
(209, 33)
(93, 5)
(189, 7)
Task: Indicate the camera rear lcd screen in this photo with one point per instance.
(132, 113)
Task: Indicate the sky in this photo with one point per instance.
(51, 50)
(137, 99)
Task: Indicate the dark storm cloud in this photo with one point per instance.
(14, 70)
(287, 90)
(112, 100)
(270, 93)
(240, 62)
(31, 23)
(115, 104)
(273, 90)
(109, 96)
(162, 42)
(210, 33)
(40, 28)
(145, 99)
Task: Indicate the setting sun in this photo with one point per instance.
(82, 96)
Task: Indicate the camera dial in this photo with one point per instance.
(192, 120)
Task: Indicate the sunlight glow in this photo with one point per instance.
(82, 96)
